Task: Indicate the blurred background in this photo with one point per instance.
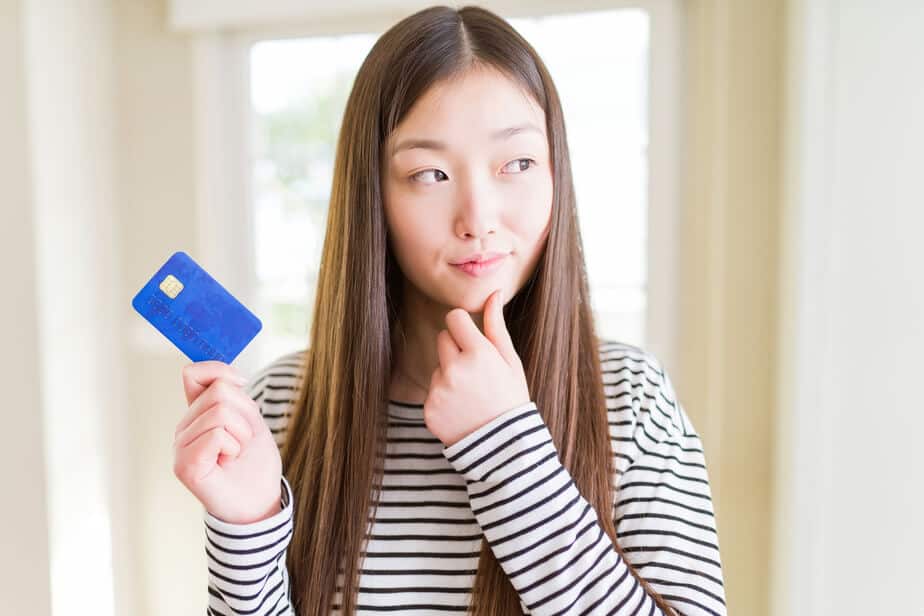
(748, 175)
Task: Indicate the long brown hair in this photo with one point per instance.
(334, 451)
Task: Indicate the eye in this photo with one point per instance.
(520, 166)
(414, 178)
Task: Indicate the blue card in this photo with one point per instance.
(195, 312)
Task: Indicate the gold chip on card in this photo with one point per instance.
(171, 286)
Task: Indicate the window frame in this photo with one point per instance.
(224, 163)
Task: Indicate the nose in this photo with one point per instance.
(477, 211)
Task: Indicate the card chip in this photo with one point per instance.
(171, 286)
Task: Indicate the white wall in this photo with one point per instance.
(69, 87)
(849, 533)
(98, 164)
(24, 580)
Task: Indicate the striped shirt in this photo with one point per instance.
(504, 483)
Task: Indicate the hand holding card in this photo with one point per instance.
(224, 453)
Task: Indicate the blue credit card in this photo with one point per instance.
(195, 312)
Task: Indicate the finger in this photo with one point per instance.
(197, 376)
(203, 453)
(219, 414)
(495, 328)
(463, 329)
(221, 389)
(446, 348)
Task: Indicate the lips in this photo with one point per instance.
(483, 266)
(481, 258)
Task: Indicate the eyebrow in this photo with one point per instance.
(431, 144)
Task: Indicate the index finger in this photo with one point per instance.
(197, 376)
(463, 329)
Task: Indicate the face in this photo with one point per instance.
(467, 173)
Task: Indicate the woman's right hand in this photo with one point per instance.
(224, 452)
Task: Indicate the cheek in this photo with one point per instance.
(416, 221)
(414, 239)
(532, 222)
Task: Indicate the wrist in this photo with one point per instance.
(273, 510)
(262, 514)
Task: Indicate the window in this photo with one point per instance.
(600, 64)
(297, 109)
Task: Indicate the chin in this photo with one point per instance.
(472, 300)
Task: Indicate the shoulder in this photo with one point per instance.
(645, 416)
(274, 387)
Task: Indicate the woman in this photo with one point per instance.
(452, 435)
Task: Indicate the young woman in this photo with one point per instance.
(455, 437)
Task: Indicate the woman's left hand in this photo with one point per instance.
(479, 377)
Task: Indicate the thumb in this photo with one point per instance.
(495, 329)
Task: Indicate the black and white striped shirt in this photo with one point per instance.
(504, 482)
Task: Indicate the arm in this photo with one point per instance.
(247, 562)
(542, 531)
(546, 536)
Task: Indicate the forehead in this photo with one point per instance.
(470, 106)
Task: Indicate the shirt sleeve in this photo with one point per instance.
(548, 540)
(247, 563)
